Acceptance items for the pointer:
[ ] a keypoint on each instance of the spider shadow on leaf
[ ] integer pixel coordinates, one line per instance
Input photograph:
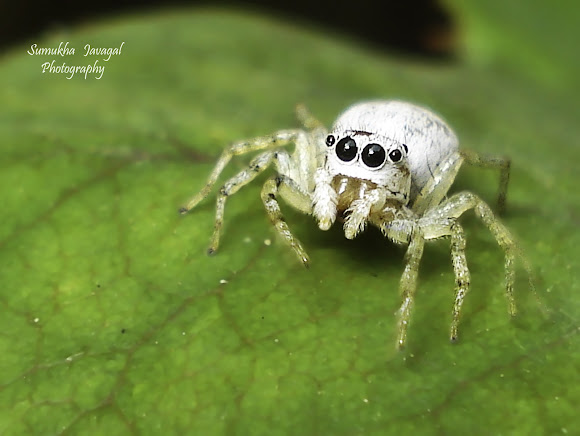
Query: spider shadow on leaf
(370, 252)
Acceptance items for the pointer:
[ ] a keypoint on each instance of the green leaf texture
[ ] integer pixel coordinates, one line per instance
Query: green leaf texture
(113, 319)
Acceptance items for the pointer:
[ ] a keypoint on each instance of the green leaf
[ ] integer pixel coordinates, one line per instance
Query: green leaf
(115, 321)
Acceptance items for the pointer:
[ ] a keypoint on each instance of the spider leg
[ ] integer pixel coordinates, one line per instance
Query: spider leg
(430, 227)
(408, 284)
(458, 204)
(289, 190)
(500, 162)
(306, 118)
(436, 188)
(462, 276)
(233, 185)
(278, 139)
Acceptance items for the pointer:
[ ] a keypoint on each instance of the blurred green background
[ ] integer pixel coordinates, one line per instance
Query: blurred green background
(114, 321)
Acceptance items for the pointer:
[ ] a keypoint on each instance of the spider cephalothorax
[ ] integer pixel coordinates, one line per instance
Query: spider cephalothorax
(387, 163)
(366, 171)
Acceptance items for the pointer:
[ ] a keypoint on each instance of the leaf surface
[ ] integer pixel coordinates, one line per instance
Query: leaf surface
(115, 321)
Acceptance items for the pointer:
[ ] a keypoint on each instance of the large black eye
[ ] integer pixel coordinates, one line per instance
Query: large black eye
(330, 140)
(346, 149)
(395, 155)
(373, 155)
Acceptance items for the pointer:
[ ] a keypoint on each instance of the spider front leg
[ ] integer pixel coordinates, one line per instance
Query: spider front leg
(445, 214)
(408, 284)
(462, 276)
(278, 139)
(233, 185)
(436, 228)
(299, 200)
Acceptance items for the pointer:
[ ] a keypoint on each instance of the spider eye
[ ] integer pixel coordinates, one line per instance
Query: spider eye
(346, 149)
(373, 155)
(330, 140)
(406, 148)
(395, 155)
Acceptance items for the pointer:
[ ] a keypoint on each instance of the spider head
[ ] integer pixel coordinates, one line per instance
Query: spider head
(360, 161)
